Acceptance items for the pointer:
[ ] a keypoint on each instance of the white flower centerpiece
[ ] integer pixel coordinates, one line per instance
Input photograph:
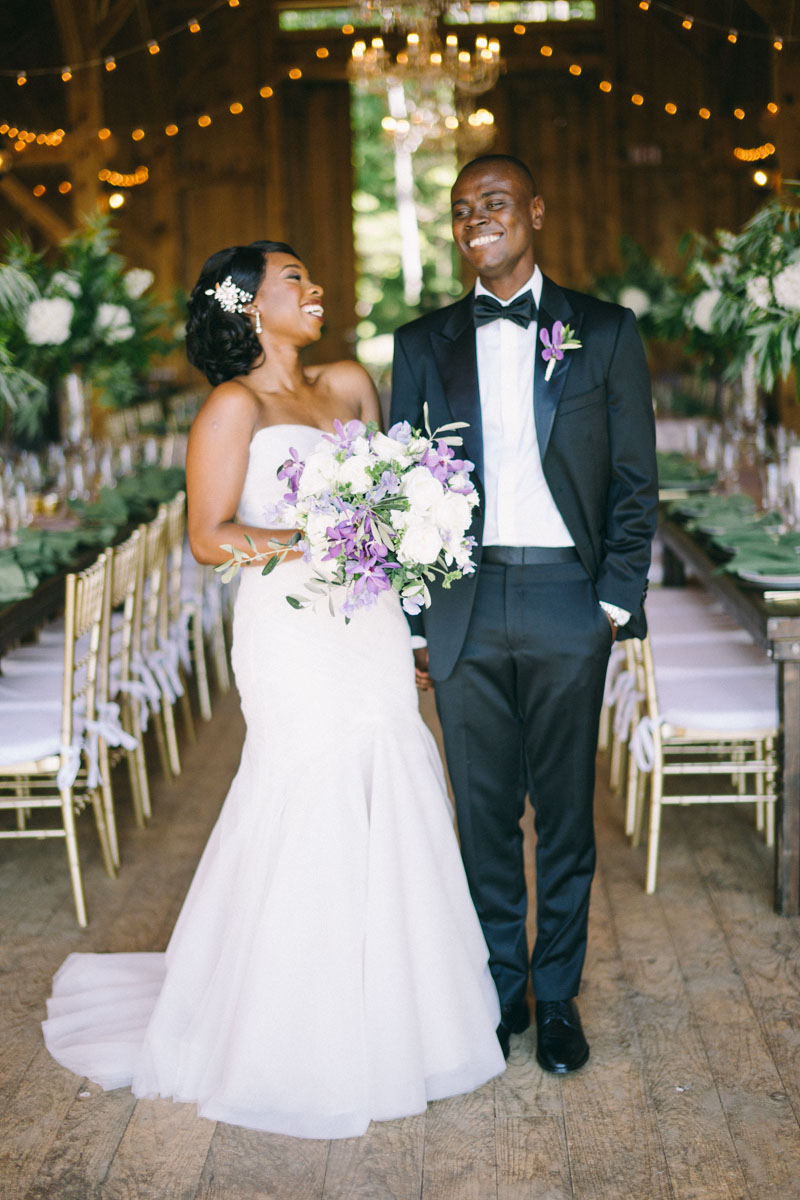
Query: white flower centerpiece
(374, 512)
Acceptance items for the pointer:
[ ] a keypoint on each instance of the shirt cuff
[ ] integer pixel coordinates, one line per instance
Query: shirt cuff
(417, 642)
(620, 616)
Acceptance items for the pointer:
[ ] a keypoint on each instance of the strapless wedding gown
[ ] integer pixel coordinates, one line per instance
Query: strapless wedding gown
(327, 967)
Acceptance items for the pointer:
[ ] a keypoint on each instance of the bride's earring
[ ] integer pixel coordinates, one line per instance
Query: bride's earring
(258, 321)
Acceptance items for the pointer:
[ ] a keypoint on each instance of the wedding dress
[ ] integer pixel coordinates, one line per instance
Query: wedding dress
(327, 967)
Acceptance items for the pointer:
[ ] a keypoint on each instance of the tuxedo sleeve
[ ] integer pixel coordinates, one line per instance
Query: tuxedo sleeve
(632, 506)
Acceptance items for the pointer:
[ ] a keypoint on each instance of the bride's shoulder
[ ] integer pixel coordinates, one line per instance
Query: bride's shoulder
(231, 406)
(349, 382)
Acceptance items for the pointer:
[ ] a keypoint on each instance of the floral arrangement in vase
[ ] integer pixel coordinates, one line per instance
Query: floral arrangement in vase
(81, 313)
(743, 303)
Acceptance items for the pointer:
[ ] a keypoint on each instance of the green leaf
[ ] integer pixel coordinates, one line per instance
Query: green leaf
(270, 564)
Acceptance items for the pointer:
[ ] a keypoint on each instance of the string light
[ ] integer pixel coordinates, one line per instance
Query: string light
(137, 135)
(644, 5)
(637, 99)
(64, 187)
(705, 113)
(575, 69)
(322, 52)
(670, 108)
(519, 29)
(605, 85)
(760, 178)
(111, 63)
(687, 22)
(22, 78)
(194, 25)
(773, 108)
(733, 37)
(236, 108)
(739, 113)
(755, 153)
(204, 121)
(547, 51)
(778, 44)
(153, 46)
(347, 30)
(116, 200)
(171, 130)
(66, 74)
(104, 134)
(119, 179)
(295, 73)
(265, 92)
(39, 190)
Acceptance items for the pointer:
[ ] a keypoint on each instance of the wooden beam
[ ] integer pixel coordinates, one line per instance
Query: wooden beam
(33, 210)
(118, 14)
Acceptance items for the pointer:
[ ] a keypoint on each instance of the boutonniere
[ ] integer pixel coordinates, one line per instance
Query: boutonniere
(561, 339)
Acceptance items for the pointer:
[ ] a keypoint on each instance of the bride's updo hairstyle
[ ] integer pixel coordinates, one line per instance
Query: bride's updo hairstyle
(221, 343)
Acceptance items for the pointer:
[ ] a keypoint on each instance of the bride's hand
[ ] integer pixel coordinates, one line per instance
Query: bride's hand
(421, 675)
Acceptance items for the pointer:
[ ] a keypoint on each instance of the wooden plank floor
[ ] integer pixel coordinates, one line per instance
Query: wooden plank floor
(691, 1002)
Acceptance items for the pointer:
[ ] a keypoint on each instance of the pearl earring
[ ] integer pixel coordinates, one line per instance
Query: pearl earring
(258, 321)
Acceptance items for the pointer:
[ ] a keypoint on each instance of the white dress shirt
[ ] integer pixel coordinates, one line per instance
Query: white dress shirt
(519, 509)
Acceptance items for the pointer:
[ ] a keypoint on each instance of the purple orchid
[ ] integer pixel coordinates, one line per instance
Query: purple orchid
(292, 471)
(562, 338)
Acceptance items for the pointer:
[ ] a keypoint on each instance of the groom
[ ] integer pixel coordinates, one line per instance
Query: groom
(562, 438)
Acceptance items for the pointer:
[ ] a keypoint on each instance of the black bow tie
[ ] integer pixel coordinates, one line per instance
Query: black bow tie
(521, 311)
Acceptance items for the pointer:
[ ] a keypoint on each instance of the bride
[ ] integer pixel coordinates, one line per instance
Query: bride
(327, 967)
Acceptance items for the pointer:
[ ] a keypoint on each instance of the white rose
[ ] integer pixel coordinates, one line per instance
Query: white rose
(786, 286)
(319, 474)
(420, 544)
(113, 322)
(354, 473)
(386, 449)
(62, 281)
(137, 281)
(47, 322)
(758, 292)
(422, 489)
(453, 514)
(359, 445)
(703, 308)
(636, 299)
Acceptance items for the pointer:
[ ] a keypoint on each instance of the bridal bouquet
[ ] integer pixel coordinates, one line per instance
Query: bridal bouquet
(375, 511)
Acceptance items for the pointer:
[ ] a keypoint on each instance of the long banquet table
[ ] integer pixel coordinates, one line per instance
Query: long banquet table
(773, 621)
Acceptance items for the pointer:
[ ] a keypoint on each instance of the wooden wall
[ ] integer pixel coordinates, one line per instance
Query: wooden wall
(282, 169)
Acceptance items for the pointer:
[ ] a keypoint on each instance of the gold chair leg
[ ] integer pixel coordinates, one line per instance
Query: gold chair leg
(200, 667)
(161, 743)
(68, 816)
(186, 707)
(172, 739)
(108, 804)
(102, 833)
(655, 831)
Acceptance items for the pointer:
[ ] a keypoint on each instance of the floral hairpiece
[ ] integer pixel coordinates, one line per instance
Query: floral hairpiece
(229, 297)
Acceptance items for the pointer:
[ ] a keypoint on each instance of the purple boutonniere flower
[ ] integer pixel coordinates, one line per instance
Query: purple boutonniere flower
(562, 338)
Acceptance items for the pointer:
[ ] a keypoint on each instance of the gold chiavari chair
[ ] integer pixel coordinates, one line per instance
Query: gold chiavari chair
(149, 665)
(718, 726)
(122, 695)
(181, 619)
(46, 759)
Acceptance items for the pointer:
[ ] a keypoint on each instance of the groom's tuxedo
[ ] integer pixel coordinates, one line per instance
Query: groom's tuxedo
(594, 423)
(519, 653)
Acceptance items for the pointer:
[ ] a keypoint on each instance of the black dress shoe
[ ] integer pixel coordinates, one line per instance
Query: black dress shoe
(561, 1046)
(514, 1019)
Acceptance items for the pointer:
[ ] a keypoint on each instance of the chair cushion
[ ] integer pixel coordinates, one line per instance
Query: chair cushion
(29, 734)
(729, 703)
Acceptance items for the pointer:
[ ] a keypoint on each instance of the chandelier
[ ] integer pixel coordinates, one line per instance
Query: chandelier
(430, 85)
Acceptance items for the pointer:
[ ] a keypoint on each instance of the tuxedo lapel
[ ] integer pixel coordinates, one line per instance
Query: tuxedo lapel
(554, 307)
(457, 364)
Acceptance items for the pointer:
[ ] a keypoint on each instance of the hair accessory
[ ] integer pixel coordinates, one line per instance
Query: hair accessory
(229, 297)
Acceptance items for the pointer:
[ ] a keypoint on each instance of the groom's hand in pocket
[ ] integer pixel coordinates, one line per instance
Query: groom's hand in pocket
(421, 676)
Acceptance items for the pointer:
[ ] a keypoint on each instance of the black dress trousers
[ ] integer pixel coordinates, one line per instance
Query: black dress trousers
(519, 715)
